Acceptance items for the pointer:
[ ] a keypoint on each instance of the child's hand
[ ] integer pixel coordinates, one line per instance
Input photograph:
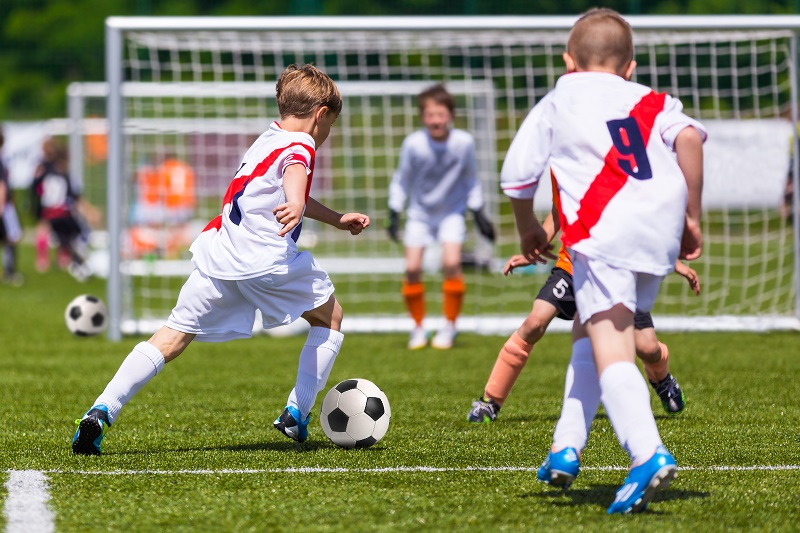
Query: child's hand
(690, 275)
(692, 241)
(513, 262)
(354, 222)
(289, 214)
(536, 247)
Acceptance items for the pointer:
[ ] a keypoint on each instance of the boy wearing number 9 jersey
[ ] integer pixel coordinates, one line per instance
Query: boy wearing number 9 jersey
(247, 259)
(629, 167)
(556, 299)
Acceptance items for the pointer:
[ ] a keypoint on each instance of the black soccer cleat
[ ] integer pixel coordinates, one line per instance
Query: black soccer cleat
(483, 410)
(92, 428)
(670, 394)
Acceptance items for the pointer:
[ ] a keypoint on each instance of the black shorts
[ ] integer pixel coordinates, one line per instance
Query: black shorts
(642, 320)
(558, 290)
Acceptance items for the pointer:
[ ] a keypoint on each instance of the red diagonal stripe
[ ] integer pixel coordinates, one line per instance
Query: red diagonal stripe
(611, 178)
(237, 184)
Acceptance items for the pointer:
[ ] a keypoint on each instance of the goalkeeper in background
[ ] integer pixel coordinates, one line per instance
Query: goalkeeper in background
(437, 179)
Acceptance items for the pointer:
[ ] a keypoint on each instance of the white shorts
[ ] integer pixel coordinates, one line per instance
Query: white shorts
(218, 310)
(600, 286)
(450, 228)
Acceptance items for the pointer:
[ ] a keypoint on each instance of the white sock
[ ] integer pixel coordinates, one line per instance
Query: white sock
(627, 403)
(581, 399)
(141, 365)
(316, 361)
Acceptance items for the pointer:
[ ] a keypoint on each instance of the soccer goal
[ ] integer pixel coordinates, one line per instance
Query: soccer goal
(199, 90)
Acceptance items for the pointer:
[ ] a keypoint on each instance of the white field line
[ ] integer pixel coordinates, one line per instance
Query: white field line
(26, 508)
(402, 469)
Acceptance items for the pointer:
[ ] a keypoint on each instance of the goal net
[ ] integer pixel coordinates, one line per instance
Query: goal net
(189, 95)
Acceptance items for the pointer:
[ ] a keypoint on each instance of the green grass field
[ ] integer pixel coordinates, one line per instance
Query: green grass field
(195, 450)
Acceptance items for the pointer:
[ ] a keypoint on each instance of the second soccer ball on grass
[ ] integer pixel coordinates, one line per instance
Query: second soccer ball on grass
(355, 414)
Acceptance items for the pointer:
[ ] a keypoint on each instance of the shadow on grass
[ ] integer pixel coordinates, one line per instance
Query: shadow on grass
(602, 495)
(283, 446)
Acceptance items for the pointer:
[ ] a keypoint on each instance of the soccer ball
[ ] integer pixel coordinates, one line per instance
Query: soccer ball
(86, 316)
(355, 414)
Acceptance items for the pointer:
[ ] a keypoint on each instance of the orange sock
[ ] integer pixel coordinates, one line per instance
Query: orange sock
(510, 361)
(658, 371)
(453, 289)
(414, 294)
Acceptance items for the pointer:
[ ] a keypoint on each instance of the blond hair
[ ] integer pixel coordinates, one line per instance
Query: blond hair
(601, 38)
(303, 89)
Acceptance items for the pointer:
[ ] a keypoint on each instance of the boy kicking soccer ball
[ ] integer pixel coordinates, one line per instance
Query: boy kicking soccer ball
(629, 167)
(557, 299)
(247, 259)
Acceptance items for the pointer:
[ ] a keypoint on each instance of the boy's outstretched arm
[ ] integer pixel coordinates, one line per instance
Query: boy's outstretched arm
(689, 151)
(691, 276)
(353, 222)
(534, 244)
(551, 226)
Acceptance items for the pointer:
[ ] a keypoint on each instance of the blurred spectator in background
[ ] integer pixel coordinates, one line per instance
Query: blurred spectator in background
(10, 228)
(165, 204)
(60, 212)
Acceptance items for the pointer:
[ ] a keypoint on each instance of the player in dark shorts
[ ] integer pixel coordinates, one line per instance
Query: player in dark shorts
(557, 299)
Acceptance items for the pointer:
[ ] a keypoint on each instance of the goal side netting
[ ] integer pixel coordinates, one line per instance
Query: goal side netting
(199, 91)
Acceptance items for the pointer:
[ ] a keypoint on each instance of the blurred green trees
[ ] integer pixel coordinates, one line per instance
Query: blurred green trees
(46, 44)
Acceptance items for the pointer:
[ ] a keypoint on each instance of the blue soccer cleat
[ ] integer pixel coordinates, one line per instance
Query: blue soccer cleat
(643, 481)
(92, 428)
(560, 468)
(290, 424)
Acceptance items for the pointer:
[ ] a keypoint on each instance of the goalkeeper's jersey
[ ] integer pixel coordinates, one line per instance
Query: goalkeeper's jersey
(243, 241)
(609, 143)
(436, 178)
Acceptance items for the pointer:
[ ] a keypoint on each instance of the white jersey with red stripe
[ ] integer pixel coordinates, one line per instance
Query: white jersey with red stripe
(243, 241)
(609, 142)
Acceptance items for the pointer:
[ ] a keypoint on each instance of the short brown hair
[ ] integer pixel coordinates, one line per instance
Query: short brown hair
(601, 37)
(302, 89)
(438, 94)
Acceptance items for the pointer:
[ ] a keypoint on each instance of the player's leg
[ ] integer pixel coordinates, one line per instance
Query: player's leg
(607, 297)
(414, 296)
(555, 299)
(12, 234)
(451, 232)
(207, 309)
(141, 365)
(581, 400)
(313, 368)
(304, 291)
(655, 358)
(453, 288)
(511, 359)
(42, 238)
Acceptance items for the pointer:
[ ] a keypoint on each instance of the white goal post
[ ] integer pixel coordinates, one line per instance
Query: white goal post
(200, 89)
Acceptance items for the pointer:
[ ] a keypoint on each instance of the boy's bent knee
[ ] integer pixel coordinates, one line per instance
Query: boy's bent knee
(328, 315)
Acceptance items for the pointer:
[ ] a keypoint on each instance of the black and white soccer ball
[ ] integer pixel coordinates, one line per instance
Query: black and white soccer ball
(355, 414)
(86, 316)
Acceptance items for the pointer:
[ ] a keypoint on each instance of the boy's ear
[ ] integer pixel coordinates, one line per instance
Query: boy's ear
(569, 62)
(321, 112)
(630, 69)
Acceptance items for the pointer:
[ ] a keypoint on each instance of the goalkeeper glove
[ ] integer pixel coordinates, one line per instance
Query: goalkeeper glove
(394, 225)
(484, 226)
